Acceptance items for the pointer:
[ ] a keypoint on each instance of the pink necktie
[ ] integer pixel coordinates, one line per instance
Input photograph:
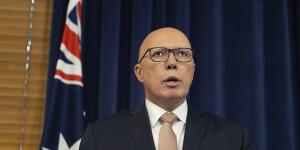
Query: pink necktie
(167, 137)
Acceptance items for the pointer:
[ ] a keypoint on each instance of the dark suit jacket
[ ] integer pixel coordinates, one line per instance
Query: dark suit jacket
(132, 131)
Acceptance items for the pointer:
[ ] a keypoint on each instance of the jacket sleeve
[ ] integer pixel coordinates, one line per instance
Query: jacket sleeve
(246, 144)
(88, 139)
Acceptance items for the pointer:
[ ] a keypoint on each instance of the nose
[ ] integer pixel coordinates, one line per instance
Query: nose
(172, 66)
(171, 62)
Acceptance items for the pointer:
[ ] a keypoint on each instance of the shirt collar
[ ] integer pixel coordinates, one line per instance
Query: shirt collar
(155, 112)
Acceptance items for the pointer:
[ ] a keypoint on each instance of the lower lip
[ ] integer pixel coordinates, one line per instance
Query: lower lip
(172, 84)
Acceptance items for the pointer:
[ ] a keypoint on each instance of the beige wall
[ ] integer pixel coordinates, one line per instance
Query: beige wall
(14, 18)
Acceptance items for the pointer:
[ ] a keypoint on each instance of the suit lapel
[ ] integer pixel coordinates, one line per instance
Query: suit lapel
(139, 125)
(195, 130)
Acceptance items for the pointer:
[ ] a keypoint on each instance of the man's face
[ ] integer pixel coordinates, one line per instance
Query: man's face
(169, 80)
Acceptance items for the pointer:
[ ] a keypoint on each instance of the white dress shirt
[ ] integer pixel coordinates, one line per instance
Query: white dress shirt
(155, 112)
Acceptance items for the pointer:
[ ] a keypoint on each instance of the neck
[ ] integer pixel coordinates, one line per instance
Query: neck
(167, 104)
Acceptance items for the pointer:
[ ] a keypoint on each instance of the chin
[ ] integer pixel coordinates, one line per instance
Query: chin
(174, 96)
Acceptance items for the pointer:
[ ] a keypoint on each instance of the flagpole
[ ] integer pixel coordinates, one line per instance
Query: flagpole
(26, 75)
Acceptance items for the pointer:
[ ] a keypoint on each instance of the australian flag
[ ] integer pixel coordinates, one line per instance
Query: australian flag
(64, 117)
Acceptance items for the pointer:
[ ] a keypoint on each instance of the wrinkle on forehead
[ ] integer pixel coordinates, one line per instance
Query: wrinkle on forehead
(164, 37)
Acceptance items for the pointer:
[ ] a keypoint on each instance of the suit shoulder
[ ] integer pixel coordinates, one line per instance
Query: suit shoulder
(106, 132)
(220, 125)
(115, 118)
(219, 120)
(213, 119)
(220, 133)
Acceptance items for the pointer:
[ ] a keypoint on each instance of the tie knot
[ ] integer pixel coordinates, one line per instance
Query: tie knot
(168, 117)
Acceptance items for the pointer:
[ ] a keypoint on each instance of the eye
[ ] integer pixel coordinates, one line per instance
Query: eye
(157, 54)
(182, 53)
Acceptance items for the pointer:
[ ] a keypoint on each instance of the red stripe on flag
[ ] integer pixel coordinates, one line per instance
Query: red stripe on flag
(71, 41)
(68, 76)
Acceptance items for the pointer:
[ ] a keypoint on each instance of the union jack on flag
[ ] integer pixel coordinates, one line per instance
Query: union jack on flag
(71, 73)
(64, 119)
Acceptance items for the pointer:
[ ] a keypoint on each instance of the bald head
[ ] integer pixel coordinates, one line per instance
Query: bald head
(164, 37)
(155, 75)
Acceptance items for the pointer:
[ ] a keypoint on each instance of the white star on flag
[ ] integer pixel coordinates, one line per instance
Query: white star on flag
(63, 145)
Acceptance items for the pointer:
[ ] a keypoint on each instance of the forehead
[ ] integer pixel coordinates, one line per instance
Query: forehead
(169, 38)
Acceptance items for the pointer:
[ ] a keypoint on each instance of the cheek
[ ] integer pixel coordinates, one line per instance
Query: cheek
(152, 71)
(189, 75)
(152, 75)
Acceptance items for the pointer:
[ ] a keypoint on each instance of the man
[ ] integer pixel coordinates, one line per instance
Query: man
(166, 69)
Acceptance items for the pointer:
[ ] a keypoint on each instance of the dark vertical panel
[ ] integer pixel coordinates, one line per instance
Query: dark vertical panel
(258, 119)
(158, 14)
(110, 37)
(295, 13)
(277, 75)
(91, 35)
(124, 56)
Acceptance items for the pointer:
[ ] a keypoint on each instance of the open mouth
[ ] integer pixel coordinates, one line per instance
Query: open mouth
(172, 82)
(171, 79)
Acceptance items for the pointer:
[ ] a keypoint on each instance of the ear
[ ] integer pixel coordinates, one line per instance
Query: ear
(194, 65)
(138, 72)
